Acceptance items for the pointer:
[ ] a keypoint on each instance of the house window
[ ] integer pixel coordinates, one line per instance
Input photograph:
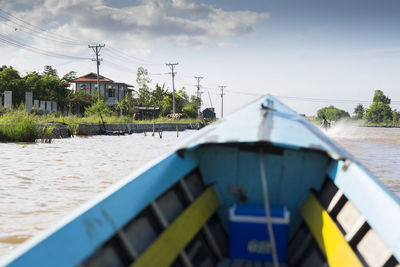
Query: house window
(84, 87)
(111, 91)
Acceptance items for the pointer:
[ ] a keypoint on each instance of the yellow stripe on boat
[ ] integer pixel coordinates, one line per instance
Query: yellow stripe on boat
(166, 248)
(328, 236)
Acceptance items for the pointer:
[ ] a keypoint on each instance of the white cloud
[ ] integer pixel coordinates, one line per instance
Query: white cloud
(181, 21)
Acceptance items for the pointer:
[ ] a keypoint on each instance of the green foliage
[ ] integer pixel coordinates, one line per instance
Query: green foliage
(49, 71)
(70, 76)
(395, 117)
(10, 80)
(20, 128)
(332, 113)
(144, 92)
(98, 108)
(81, 98)
(190, 112)
(46, 86)
(126, 105)
(160, 97)
(378, 112)
(380, 97)
(358, 112)
(166, 105)
(158, 94)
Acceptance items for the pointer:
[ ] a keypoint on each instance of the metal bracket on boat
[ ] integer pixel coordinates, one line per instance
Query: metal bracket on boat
(239, 191)
(269, 105)
(346, 165)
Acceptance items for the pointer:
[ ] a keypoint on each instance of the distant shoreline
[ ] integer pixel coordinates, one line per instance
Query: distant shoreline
(358, 123)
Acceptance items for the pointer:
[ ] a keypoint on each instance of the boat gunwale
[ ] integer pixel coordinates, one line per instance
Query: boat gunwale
(18, 256)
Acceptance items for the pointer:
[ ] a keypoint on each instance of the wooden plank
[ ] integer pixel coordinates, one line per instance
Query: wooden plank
(382, 211)
(166, 248)
(327, 235)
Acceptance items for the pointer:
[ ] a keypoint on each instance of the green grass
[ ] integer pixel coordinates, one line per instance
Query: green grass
(20, 126)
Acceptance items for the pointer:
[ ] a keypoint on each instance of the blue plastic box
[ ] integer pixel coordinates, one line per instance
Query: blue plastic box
(248, 232)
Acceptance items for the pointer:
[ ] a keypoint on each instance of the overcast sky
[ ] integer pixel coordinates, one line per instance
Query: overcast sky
(303, 52)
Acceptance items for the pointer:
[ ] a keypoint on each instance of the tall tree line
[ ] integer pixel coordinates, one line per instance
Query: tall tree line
(45, 86)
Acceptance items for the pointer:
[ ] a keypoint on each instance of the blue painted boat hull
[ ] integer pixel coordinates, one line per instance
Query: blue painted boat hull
(297, 158)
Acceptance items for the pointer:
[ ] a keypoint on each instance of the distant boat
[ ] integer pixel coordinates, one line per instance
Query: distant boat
(262, 186)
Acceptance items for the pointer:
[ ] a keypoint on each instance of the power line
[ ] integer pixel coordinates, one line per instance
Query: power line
(172, 65)
(123, 56)
(7, 40)
(27, 32)
(53, 65)
(8, 16)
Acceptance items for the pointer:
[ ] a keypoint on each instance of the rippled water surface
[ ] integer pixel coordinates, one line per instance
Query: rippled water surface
(40, 183)
(376, 148)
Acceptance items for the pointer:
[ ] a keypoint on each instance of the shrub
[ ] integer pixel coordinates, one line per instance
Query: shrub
(190, 112)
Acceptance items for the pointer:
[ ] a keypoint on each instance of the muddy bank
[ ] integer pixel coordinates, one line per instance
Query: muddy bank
(97, 129)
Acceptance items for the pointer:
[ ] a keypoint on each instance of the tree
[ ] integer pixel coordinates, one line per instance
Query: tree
(359, 112)
(70, 76)
(190, 112)
(49, 71)
(380, 97)
(332, 113)
(10, 80)
(378, 112)
(158, 95)
(98, 108)
(125, 106)
(395, 117)
(144, 93)
(166, 105)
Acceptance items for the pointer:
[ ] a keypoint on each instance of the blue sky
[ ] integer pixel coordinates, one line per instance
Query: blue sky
(308, 53)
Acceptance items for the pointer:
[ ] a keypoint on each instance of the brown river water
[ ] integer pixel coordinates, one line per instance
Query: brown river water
(41, 183)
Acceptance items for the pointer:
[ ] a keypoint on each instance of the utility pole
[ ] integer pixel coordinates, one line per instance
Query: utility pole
(172, 65)
(209, 97)
(96, 49)
(222, 99)
(198, 78)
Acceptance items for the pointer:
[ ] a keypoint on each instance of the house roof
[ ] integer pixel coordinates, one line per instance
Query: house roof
(209, 109)
(92, 77)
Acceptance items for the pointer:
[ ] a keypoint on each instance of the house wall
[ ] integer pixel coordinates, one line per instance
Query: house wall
(120, 91)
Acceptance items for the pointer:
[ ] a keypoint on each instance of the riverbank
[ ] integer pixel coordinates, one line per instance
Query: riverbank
(359, 123)
(128, 128)
(19, 126)
(46, 132)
